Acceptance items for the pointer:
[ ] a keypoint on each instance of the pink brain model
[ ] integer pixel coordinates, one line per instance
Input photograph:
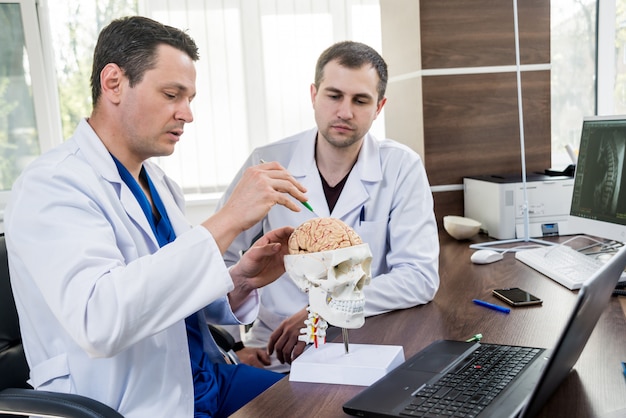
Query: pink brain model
(322, 234)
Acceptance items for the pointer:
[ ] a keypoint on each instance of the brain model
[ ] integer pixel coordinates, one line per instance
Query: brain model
(322, 234)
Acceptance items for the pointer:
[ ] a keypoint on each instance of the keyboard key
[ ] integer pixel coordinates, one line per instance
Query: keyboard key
(469, 389)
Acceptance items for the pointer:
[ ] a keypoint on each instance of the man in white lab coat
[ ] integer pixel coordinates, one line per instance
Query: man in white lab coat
(379, 188)
(113, 286)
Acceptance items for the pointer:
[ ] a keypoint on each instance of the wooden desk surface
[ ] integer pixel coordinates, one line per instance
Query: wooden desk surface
(596, 387)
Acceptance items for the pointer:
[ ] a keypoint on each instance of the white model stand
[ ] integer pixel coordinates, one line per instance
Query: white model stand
(362, 366)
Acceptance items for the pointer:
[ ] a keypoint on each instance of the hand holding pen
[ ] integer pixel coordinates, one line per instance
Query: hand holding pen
(259, 189)
(304, 203)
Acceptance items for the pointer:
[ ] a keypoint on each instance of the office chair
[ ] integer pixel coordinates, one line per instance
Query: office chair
(225, 342)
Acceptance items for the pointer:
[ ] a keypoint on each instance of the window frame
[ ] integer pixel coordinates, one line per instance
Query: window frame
(43, 82)
(605, 57)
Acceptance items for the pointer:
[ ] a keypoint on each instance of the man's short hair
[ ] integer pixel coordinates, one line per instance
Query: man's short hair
(131, 43)
(353, 55)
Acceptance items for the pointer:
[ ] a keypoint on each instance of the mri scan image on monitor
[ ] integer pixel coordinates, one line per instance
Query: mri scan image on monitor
(599, 197)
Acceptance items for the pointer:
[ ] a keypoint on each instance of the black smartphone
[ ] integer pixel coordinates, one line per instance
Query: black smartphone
(517, 297)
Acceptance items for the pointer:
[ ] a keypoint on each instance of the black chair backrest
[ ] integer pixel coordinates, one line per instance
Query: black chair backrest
(13, 365)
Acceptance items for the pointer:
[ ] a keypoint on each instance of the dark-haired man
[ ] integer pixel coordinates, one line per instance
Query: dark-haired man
(113, 287)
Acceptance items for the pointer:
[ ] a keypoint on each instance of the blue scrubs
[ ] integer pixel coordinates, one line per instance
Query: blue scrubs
(219, 388)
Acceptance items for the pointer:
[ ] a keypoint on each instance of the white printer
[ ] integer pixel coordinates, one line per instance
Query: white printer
(497, 201)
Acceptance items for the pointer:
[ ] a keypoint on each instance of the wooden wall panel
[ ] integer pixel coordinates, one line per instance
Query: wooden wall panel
(534, 26)
(453, 35)
(452, 103)
(477, 33)
(447, 203)
(471, 125)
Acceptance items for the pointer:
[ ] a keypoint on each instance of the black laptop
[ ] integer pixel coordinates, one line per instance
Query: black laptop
(454, 378)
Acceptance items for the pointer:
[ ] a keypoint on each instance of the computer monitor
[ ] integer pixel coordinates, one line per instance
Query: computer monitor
(599, 196)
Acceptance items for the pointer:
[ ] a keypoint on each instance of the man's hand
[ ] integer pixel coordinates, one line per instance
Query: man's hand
(257, 357)
(285, 338)
(260, 265)
(259, 189)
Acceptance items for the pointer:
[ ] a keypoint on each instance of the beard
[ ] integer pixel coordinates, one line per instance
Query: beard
(341, 139)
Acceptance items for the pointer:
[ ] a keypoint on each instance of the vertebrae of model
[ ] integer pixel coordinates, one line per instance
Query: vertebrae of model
(315, 330)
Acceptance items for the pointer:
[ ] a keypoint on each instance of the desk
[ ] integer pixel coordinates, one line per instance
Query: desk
(595, 388)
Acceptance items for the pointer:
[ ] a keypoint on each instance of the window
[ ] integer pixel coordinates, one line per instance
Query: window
(28, 111)
(573, 73)
(612, 58)
(588, 41)
(72, 28)
(257, 60)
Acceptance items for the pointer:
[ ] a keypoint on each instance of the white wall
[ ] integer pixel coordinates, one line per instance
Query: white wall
(198, 211)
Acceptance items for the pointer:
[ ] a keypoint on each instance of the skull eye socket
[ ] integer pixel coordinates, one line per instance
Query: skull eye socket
(361, 282)
(343, 267)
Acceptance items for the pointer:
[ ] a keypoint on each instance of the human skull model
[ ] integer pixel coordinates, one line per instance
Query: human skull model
(329, 261)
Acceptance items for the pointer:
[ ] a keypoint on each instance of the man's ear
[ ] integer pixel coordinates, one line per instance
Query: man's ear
(111, 78)
(313, 91)
(379, 106)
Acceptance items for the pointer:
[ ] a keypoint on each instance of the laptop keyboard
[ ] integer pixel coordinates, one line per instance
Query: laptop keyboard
(469, 388)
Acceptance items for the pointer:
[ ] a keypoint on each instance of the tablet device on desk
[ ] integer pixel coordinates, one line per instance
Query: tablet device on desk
(427, 381)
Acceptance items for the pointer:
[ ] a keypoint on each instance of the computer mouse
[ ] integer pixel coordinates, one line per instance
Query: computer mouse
(486, 256)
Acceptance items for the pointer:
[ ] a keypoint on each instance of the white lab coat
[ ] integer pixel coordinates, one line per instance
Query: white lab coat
(389, 183)
(101, 307)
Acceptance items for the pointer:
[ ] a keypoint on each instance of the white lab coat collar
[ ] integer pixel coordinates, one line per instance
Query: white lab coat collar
(100, 159)
(366, 171)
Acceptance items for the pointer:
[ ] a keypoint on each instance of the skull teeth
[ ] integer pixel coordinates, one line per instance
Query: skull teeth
(350, 306)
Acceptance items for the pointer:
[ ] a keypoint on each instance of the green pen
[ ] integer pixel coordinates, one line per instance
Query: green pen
(305, 204)
(476, 337)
